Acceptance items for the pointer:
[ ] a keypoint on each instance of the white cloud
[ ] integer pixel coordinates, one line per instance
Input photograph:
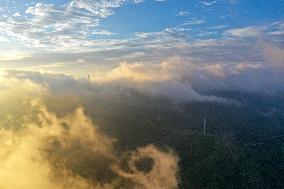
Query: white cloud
(3, 39)
(59, 28)
(183, 13)
(165, 79)
(274, 55)
(138, 1)
(13, 54)
(17, 14)
(194, 21)
(178, 78)
(245, 32)
(209, 3)
(96, 8)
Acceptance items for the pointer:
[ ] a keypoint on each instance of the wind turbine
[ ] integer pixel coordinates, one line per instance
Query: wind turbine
(204, 126)
(158, 113)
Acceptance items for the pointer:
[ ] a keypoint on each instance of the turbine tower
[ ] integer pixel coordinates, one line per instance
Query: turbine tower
(204, 126)
(158, 113)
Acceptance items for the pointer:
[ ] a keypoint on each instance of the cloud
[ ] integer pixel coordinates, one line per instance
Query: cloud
(179, 77)
(50, 27)
(274, 55)
(96, 8)
(13, 54)
(148, 47)
(162, 175)
(17, 14)
(37, 149)
(166, 79)
(245, 32)
(209, 3)
(183, 13)
(194, 21)
(163, 80)
(40, 149)
(3, 39)
(183, 79)
(176, 78)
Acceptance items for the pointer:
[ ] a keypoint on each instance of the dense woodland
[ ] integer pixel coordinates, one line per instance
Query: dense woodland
(243, 146)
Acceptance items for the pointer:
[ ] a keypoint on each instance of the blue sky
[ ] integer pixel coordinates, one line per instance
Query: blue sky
(156, 16)
(102, 33)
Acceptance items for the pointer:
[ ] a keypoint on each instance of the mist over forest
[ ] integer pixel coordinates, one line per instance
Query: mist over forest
(141, 94)
(78, 133)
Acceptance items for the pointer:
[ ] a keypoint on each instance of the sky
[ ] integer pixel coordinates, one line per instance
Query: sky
(81, 37)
